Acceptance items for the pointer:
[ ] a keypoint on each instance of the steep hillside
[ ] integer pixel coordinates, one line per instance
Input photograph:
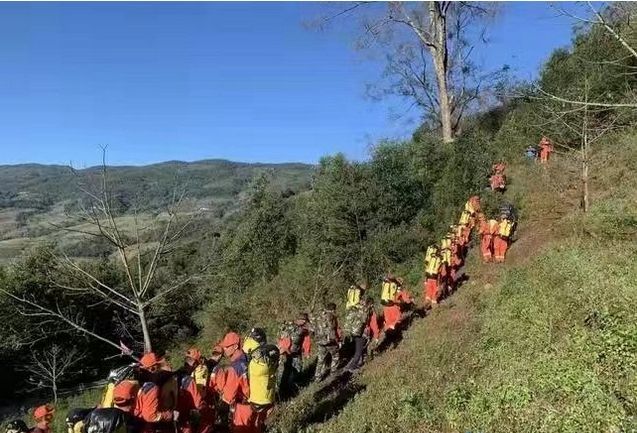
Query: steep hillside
(546, 342)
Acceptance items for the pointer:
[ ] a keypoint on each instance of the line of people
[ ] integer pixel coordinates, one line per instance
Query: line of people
(237, 386)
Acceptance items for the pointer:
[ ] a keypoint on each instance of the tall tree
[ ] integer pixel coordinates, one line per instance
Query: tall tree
(428, 48)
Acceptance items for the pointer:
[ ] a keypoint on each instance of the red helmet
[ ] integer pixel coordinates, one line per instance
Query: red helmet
(150, 360)
(43, 411)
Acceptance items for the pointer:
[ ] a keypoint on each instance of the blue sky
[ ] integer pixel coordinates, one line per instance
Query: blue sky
(188, 81)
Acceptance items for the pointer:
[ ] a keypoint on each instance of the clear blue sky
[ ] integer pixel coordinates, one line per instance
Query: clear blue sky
(242, 81)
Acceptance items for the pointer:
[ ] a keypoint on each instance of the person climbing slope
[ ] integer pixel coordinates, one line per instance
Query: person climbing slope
(294, 346)
(502, 238)
(546, 148)
(433, 264)
(328, 340)
(361, 325)
(43, 416)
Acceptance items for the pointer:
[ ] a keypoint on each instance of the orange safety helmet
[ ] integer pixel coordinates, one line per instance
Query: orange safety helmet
(43, 411)
(124, 392)
(150, 360)
(230, 339)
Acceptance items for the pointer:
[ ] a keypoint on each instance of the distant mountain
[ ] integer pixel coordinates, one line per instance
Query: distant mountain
(38, 186)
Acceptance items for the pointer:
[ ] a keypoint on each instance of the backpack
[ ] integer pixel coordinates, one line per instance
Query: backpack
(262, 374)
(106, 420)
(355, 320)
(354, 294)
(388, 292)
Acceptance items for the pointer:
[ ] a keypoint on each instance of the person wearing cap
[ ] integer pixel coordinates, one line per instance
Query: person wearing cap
(43, 416)
(195, 366)
(232, 384)
(124, 395)
(148, 408)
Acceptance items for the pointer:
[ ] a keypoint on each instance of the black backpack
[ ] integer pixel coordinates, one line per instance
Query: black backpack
(106, 420)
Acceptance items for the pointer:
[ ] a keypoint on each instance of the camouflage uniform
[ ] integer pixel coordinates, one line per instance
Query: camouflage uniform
(292, 363)
(355, 326)
(325, 328)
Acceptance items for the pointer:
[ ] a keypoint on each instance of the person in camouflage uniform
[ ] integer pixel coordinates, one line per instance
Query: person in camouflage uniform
(294, 344)
(326, 334)
(360, 326)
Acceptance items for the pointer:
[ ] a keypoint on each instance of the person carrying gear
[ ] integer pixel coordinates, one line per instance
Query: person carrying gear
(190, 403)
(502, 238)
(531, 152)
(150, 406)
(231, 383)
(546, 148)
(472, 205)
(497, 181)
(388, 290)
(328, 338)
(498, 168)
(354, 294)
(486, 238)
(444, 276)
(433, 263)
(393, 314)
(196, 367)
(43, 416)
(457, 261)
(294, 345)
(263, 363)
(361, 325)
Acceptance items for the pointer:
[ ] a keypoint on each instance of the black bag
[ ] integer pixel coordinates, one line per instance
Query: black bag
(106, 420)
(17, 426)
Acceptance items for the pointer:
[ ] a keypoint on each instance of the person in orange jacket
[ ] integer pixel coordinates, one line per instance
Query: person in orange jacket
(433, 268)
(43, 416)
(190, 403)
(148, 408)
(497, 181)
(195, 366)
(486, 238)
(393, 313)
(502, 238)
(233, 386)
(546, 148)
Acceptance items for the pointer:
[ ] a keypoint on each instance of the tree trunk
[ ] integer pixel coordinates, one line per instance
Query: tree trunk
(54, 387)
(148, 347)
(439, 54)
(585, 195)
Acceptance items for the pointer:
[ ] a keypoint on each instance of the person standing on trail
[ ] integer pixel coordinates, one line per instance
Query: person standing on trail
(196, 367)
(150, 408)
(497, 180)
(43, 416)
(328, 339)
(546, 148)
(294, 345)
(433, 264)
(231, 383)
(502, 238)
(361, 325)
(486, 238)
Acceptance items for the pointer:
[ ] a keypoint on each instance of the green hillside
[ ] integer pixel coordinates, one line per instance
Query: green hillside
(33, 196)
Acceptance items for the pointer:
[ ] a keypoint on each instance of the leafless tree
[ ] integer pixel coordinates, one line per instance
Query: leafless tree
(617, 20)
(139, 252)
(48, 367)
(582, 126)
(429, 47)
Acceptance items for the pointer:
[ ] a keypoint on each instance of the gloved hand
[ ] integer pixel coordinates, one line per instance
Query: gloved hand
(175, 415)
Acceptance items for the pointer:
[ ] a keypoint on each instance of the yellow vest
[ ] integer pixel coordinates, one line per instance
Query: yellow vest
(469, 208)
(388, 291)
(465, 217)
(505, 228)
(200, 375)
(432, 265)
(431, 250)
(445, 243)
(353, 296)
(446, 257)
(493, 226)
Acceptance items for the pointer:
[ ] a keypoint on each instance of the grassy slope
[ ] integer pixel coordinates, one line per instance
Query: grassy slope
(547, 342)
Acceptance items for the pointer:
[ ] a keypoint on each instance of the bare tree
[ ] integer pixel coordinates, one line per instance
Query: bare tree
(429, 48)
(140, 251)
(581, 126)
(47, 368)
